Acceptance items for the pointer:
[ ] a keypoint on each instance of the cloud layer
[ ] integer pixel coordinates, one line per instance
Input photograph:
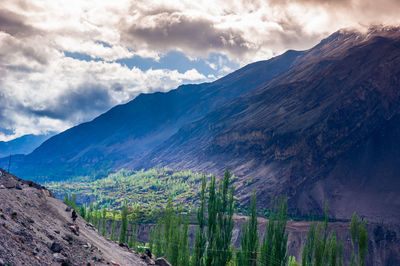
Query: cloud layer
(43, 88)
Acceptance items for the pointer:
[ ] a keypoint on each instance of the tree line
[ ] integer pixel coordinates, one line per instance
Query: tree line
(212, 244)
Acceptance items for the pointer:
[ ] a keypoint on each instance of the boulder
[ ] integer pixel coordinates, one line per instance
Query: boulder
(59, 258)
(68, 209)
(56, 247)
(162, 262)
(18, 186)
(74, 229)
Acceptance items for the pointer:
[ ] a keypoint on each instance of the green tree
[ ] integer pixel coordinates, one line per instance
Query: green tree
(273, 248)
(183, 258)
(104, 221)
(333, 250)
(73, 202)
(174, 241)
(267, 244)
(211, 223)
(114, 225)
(308, 248)
(225, 209)
(66, 200)
(340, 253)
(168, 225)
(124, 224)
(200, 238)
(249, 238)
(82, 211)
(292, 261)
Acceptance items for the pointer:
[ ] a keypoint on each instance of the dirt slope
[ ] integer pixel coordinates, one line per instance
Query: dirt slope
(35, 229)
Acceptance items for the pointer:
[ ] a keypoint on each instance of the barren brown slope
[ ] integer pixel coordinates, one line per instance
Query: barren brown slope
(35, 230)
(327, 129)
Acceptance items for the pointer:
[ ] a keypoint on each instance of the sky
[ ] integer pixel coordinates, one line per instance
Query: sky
(65, 62)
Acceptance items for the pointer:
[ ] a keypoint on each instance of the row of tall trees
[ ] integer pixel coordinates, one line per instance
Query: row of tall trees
(212, 244)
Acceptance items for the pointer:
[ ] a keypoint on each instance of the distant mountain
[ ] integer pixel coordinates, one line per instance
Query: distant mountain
(127, 132)
(22, 145)
(327, 129)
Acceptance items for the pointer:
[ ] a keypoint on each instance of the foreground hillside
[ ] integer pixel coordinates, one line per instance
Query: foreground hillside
(36, 229)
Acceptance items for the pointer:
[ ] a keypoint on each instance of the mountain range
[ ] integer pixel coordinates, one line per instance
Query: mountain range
(22, 145)
(315, 125)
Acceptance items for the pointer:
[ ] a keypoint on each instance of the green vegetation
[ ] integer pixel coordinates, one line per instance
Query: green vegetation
(214, 217)
(147, 190)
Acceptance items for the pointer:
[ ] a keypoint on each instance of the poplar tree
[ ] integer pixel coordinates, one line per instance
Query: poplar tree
(200, 238)
(211, 223)
(113, 225)
(183, 258)
(168, 225)
(249, 239)
(225, 209)
(124, 224)
(273, 249)
(333, 250)
(158, 238)
(104, 222)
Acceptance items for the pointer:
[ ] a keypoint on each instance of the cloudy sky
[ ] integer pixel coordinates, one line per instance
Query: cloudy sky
(65, 62)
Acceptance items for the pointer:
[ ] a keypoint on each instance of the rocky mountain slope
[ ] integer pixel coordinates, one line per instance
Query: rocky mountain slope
(327, 129)
(36, 229)
(128, 131)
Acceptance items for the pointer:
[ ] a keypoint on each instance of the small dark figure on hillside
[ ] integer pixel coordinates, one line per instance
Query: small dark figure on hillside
(74, 215)
(148, 252)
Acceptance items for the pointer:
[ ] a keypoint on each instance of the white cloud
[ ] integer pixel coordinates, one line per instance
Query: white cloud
(39, 85)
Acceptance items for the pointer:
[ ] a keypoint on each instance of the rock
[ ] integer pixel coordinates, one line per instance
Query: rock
(74, 229)
(162, 262)
(124, 245)
(114, 263)
(2, 263)
(59, 258)
(18, 186)
(2, 187)
(68, 209)
(90, 225)
(57, 231)
(56, 247)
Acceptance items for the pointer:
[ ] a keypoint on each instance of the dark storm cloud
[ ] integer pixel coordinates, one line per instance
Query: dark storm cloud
(13, 24)
(173, 30)
(83, 102)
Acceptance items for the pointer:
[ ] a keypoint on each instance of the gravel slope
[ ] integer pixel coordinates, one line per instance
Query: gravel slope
(36, 229)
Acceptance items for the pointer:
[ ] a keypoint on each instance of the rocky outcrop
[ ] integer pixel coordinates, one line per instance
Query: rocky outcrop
(36, 230)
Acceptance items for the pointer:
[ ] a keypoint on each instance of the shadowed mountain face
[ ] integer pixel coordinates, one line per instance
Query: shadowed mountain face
(316, 125)
(128, 131)
(327, 129)
(22, 145)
